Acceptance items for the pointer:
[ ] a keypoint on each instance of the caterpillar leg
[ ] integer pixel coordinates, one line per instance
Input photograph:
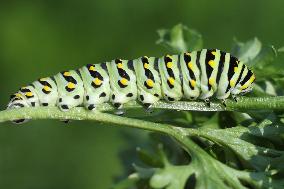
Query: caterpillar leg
(65, 121)
(207, 102)
(147, 106)
(118, 105)
(223, 101)
(235, 98)
(147, 99)
(119, 109)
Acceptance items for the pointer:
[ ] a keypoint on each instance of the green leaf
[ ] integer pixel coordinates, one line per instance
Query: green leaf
(267, 62)
(205, 172)
(246, 51)
(180, 39)
(247, 142)
(281, 49)
(148, 158)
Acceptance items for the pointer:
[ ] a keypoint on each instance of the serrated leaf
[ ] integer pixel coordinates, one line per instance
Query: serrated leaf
(240, 139)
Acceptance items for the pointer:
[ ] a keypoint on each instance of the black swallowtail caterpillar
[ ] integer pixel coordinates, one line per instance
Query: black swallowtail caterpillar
(192, 75)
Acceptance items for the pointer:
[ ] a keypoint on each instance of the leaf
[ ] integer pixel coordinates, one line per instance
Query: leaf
(247, 142)
(149, 159)
(204, 172)
(128, 182)
(212, 122)
(170, 177)
(180, 39)
(281, 49)
(265, 88)
(267, 62)
(247, 51)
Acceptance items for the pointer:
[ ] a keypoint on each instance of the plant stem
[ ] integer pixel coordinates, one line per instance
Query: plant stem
(243, 104)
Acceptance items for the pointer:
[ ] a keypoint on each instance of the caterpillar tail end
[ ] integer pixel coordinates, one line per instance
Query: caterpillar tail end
(17, 101)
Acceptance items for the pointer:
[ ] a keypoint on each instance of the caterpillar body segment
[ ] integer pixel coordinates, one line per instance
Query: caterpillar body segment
(46, 91)
(17, 101)
(29, 93)
(171, 86)
(190, 72)
(222, 78)
(148, 80)
(70, 89)
(96, 85)
(122, 82)
(192, 75)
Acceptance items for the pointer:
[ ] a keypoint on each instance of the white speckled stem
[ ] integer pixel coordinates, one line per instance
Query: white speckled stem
(243, 104)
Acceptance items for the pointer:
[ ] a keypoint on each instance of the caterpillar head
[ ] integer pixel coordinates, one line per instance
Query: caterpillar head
(239, 91)
(18, 100)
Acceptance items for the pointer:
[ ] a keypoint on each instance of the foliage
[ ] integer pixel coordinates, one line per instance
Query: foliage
(222, 149)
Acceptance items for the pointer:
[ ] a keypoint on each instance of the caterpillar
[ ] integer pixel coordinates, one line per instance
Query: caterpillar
(192, 75)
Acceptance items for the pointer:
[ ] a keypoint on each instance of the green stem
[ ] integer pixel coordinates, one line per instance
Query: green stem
(81, 114)
(78, 114)
(243, 104)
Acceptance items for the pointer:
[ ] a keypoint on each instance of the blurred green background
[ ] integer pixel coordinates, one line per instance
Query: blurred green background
(40, 38)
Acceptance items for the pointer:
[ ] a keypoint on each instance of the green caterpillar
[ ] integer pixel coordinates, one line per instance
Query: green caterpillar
(194, 75)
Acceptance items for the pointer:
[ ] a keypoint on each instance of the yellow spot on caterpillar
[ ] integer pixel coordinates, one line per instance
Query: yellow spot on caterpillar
(46, 88)
(252, 78)
(171, 80)
(71, 85)
(66, 74)
(188, 54)
(97, 81)
(146, 66)
(29, 94)
(92, 68)
(211, 81)
(119, 65)
(18, 95)
(43, 79)
(169, 56)
(212, 63)
(192, 83)
(232, 83)
(169, 64)
(244, 86)
(124, 81)
(150, 82)
(214, 53)
(235, 69)
(190, 65)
